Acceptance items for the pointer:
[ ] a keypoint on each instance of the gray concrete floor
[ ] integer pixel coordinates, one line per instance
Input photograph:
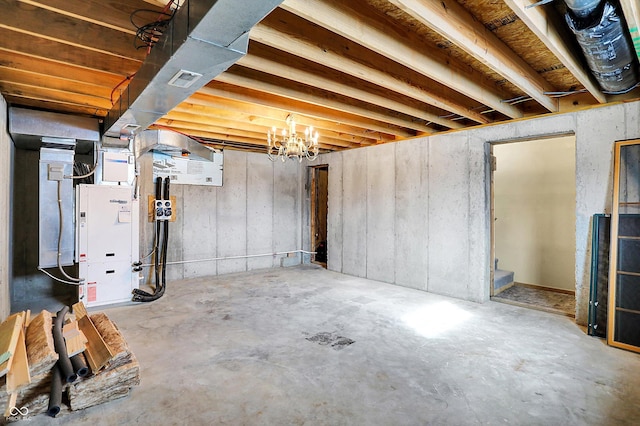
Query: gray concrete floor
(245, 349)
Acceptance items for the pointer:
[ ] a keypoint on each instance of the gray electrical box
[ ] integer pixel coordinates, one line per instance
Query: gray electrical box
(54, 165)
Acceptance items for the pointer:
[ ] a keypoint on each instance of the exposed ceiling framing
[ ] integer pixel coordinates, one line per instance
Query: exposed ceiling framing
(362, 72)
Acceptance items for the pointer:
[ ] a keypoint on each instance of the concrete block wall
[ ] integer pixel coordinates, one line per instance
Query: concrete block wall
(433, 195)
(6, 151)
(258, 210)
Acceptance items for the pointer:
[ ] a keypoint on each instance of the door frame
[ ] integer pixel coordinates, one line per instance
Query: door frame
(492, 166)
(313, 209)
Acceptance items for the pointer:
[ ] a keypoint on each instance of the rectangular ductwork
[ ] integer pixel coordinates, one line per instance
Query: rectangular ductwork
(170, 143)
(32, 129)
(204, 39)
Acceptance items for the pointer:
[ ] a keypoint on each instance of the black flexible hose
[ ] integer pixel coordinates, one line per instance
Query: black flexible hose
(61, 348)
(55, 394)
(165, 241)
(161, 255)
(79, 365)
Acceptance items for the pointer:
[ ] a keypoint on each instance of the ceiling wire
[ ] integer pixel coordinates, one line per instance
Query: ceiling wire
(151, 32)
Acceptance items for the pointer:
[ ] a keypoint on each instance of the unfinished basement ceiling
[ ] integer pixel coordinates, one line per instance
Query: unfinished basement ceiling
(362, 72)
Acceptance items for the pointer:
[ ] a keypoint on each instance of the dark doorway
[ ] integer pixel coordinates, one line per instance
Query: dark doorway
(319, 201)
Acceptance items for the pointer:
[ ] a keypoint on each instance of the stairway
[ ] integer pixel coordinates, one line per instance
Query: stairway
(501, 279)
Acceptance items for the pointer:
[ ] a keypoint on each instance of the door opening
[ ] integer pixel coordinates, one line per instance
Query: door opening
(319, 206)
(533, 201)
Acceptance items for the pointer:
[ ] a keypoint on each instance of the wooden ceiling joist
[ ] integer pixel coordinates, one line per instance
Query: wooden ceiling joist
(39, 47)
(631, 9)
(109, 14)
(362, 72)
(61, 107)
(537, 19)
(239, 113)
(239, 92)
(20, 61)
(321, 53)
(324, 142)
(452, 21)
(269, 66)
(357, 28)
(54, 95)
(67, 30)
(27, 78)
(299, 95)
(220, 124)
(225, 126)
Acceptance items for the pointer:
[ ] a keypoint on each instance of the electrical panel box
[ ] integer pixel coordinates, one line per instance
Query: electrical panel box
(107, 243)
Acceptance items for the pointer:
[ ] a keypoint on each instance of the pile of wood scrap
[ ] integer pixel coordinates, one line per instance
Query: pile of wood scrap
(28, 361)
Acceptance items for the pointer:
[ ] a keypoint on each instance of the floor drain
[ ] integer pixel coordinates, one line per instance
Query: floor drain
(331, 339)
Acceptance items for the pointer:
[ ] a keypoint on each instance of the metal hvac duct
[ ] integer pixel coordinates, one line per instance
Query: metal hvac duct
(170, 143)
(204, 39)
(29, 127)
(582, 8)
(602, 34)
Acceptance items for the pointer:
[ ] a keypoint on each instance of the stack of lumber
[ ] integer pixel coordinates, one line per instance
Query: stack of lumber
(117, 378)
(41, 357)
(26, 383)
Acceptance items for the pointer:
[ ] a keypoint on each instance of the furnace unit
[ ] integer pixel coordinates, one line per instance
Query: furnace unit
(107, 243)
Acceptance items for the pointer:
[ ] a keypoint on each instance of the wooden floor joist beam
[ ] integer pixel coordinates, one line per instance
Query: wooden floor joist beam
(452, 21)
(357, 28)
(322, 54)
(538, 21)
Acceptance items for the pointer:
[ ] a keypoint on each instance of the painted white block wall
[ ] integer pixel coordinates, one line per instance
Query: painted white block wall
(256, 211)
(453, 238)
(6, 149)
(534, 195)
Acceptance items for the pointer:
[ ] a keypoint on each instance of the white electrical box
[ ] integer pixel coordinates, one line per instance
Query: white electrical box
(115, 166)
(106, 243)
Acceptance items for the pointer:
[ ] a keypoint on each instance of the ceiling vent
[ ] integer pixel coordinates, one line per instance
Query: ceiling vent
(184, 79)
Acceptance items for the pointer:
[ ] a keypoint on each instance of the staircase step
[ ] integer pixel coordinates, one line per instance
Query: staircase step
(502, 278)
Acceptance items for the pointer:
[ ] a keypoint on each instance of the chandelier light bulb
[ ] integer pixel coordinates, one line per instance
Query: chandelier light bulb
(290, 145)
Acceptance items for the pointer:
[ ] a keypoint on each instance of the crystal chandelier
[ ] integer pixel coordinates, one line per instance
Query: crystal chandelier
(290, 145)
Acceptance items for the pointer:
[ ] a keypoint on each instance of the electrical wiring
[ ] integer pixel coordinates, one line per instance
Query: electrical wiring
(56, 278)
(151, 32)
(153, 250)
(127, 78)
(86, 175)
(64, 273)
(516, 100)
(621, 92)
(565, 93)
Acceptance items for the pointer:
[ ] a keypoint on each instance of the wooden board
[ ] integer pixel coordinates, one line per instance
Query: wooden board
(18, 376)
(9, 333)
(76, 344)
(40, 348)
(97, 351)
(70, 330)
(113, 338)
(10, 404)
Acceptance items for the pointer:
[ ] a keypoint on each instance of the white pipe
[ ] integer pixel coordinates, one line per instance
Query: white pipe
(181, 262)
